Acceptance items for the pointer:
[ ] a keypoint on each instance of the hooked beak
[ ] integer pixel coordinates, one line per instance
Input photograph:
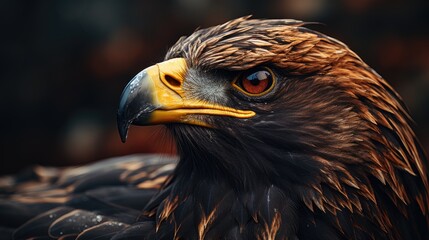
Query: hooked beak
(155, 96)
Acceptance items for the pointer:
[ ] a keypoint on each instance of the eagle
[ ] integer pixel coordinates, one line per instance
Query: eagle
(282, 132)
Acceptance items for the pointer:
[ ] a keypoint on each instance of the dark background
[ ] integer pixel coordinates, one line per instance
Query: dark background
(64, 63)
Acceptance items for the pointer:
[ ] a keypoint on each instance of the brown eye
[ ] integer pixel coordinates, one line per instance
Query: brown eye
(256, 83)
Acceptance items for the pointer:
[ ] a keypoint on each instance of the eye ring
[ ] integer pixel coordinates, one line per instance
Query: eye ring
(256, 82)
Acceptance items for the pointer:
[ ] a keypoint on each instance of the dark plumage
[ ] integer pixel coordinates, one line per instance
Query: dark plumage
(282, 132)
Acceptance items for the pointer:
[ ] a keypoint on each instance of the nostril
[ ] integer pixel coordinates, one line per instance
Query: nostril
(173, 82)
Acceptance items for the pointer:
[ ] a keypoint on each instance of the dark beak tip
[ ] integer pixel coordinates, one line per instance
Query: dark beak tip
(123, 126)
(123, 133)
(134, 104)
(123, 138)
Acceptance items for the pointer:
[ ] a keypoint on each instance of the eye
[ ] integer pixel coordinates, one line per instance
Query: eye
(255, 83)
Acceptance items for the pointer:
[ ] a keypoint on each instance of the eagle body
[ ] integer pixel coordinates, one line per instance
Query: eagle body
(282, 133)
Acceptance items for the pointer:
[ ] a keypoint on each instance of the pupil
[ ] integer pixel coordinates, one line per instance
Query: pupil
(256, 77)
(254, 82)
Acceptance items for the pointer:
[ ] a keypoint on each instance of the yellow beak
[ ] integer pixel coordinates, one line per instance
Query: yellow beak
(155, 96)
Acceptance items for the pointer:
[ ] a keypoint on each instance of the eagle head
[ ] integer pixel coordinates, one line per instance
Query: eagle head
(283, 132)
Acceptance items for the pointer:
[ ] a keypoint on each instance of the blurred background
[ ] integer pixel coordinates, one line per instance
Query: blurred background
(64, 64)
